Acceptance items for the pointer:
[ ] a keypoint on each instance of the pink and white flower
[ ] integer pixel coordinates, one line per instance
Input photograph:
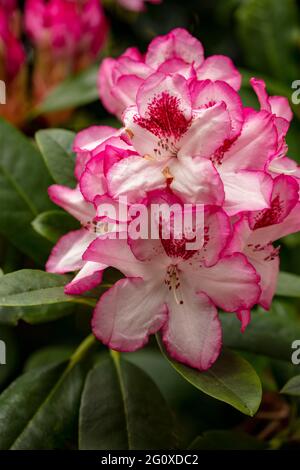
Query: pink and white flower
(254, 234)
(66, 255)
(175, 53)
(67, 37)
(186, 137)
(69, 28)
(174, 290)
(188, 134)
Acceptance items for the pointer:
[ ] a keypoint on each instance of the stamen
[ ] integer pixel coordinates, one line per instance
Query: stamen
(167, 174)
(129, 133)
(96, 226)
(172, 281)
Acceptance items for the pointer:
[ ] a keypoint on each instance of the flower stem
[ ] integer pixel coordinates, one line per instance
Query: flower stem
(82, 350)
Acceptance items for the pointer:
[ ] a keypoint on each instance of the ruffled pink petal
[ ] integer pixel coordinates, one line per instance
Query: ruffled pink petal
(105, 84)
(89, 277)
(285, 166)
(92, 181)
(232, 284)
(134, 176)
(158, 83)
(259, 87)
(207, 92)
(220, 67)
(117, 254)
(280, 106)
(128, 313)
(162, 116)
(112, 210)
(285, 195)
(241, 233)
(125, 91)
(66, 256)
(90, 141)
(245, 317)
(142, 139)
(209, 129)
(177, 44)
(90, 138)
(255, 145)
(217, 230)
(192, 334)
(265, 260)
(246, 191)
(196, 180)
(290, 224)
(177, 66)
(72, 201)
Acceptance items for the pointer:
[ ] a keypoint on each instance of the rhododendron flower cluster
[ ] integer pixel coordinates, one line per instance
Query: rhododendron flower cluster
(12, 63)
(66, 37)
(186, 139)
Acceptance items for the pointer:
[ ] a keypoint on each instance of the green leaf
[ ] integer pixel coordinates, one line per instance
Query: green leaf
(122, 408)
(269, 333)
(75, 91)
(226, 440)
(23, 192)
(35, 315)
(40, 409)
(54, 224)
(22, 398)
(56, 147)
(48, 356)
(231, 379)
(29, 287)
(267, 31)
(36, 297)
(292, 387)
(288, 285)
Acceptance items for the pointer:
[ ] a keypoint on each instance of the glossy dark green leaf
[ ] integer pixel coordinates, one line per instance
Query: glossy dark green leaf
(19, 402)
(73, 92)
(35, 315)
(56, 147)
(24, 180)
(231, 379)
(269, 333)
(226, 440)
(122, 408)
(55, 420)
(48, 355)
(35, 297)
(292, 387)
(40, 409)
(54, 224)
(266, 30)
(29, 287)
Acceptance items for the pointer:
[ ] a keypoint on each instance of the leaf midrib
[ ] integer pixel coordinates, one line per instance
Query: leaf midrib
(117, 365)
(19, 190)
